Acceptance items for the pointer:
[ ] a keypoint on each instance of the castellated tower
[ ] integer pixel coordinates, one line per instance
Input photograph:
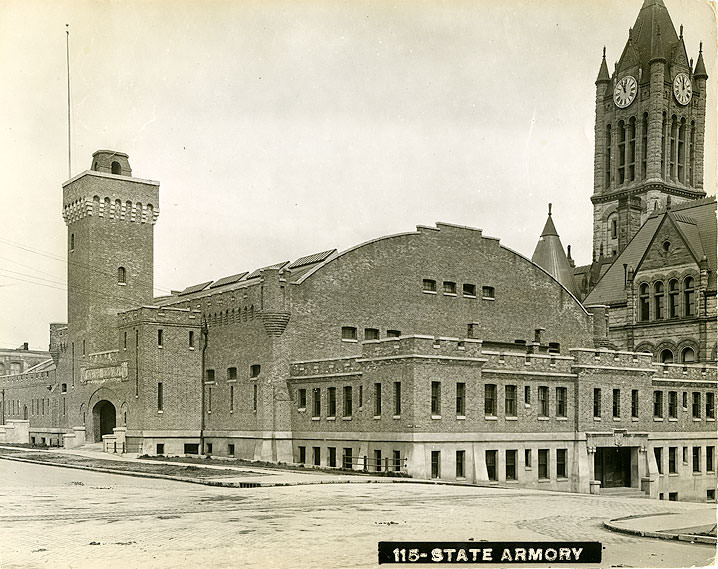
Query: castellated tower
(110, 217)
(650, 124)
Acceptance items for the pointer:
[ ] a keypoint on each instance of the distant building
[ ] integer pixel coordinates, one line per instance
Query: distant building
(436, 352)
(20, 360)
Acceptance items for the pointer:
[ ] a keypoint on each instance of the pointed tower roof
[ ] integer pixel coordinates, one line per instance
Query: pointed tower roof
(603, 75)
(645, 36)
(550, 256)
(700, 71)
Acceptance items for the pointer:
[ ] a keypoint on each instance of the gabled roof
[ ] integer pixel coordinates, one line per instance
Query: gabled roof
(696, 222)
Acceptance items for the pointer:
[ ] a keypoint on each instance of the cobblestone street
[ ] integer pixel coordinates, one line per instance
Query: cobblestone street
(55, 517)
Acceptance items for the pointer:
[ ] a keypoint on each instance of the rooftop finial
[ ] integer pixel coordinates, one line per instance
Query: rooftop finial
(700, 48)
(681, 32)
(604, 51)
(549, 209)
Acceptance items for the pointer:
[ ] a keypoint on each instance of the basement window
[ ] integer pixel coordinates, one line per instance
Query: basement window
(469, 290)
(428, 285)
(450, 288)
(349, 334)
(488, 292)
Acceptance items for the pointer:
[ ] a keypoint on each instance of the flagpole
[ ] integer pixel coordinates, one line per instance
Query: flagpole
(69, 137)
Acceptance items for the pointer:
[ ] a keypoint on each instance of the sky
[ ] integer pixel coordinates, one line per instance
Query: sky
(279, 129)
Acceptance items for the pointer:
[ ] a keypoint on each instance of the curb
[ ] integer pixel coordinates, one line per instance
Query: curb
(703, 539)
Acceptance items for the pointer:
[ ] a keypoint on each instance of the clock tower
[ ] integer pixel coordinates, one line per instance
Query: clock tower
(649, 134)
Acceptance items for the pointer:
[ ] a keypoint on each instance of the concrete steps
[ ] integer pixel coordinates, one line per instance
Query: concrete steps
(623, 493)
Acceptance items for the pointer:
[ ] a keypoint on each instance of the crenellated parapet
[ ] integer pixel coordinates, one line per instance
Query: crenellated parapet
(110, 209)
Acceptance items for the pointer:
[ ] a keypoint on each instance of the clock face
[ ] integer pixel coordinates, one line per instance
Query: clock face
(625, 91)
(682, 88)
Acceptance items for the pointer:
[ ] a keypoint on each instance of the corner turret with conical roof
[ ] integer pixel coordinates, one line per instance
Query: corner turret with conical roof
(649, 132)
(550, 256)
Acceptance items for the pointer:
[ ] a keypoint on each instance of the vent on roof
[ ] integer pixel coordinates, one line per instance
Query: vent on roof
(228, 280)
(255, 274)
(195, 288)
(311, 259)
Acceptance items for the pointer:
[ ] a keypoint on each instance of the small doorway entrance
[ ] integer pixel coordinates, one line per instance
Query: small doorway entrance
(103, 419)
(612, 466)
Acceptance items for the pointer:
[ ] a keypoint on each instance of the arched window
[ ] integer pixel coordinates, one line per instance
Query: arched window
(673, 298)
(682, 151)
(691, 154)
(673, 148)
(658, 300)
(631, 150)
(116, 168)
(644, 145)
(121, 275)
(688, 355)
(643, 304)
(666, 356)
(689, 297)
(621, 152)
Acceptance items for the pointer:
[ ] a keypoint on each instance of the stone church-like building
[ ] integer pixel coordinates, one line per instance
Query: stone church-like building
(436, 352)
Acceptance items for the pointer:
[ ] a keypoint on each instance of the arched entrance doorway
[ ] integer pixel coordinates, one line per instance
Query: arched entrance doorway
(103, 419)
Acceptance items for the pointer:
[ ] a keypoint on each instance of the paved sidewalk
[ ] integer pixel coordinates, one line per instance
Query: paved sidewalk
(684, 526)
(246, 475)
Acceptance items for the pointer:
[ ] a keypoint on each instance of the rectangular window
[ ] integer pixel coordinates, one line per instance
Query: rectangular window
(672, 404)
(393, 333)
(377, 460)
(160, 396)
(561, 401)
(231, 373)
(616, 403)
(710, 405)
(460, 456)
(230, 449)
(527, 394)
(316, 402)
(696, 405)
(543, 463)
(685, 455)
(332, 457)
(159, 338)
(349, 334)
(347, 459)
(658, 452)
(124, 342)
(449, 287)
(510, 400)
(469, 290)
(491, 464)
(317, 451)
(543, 401)
(377, 399)
(658, 404)
(696, 459)
(596, 401)
(710, 458)
(672, 460)
(435, 464)
(510, 465)
(190, 341)
(371, 334)
(685, 400)
(397, 460)
(348, 401)
(397, 398)
(208, 449)
(487, 292)
(527, 458)
(634, 403)
(231, 398)
(210, 375)
(254, 370)
(460, 399)
(490, 400)
(160, 449)
(436, 398)
(209, 400)
(428, 285)
(561, 462)
(255, 396)
(302, 454)
(63, 388)
(361, 396)
(302, 398)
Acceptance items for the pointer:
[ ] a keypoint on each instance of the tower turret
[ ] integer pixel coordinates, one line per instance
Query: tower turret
(110, 217)
(550, 256)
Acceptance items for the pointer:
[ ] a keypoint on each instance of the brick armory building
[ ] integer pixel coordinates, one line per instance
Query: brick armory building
(437, 352)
